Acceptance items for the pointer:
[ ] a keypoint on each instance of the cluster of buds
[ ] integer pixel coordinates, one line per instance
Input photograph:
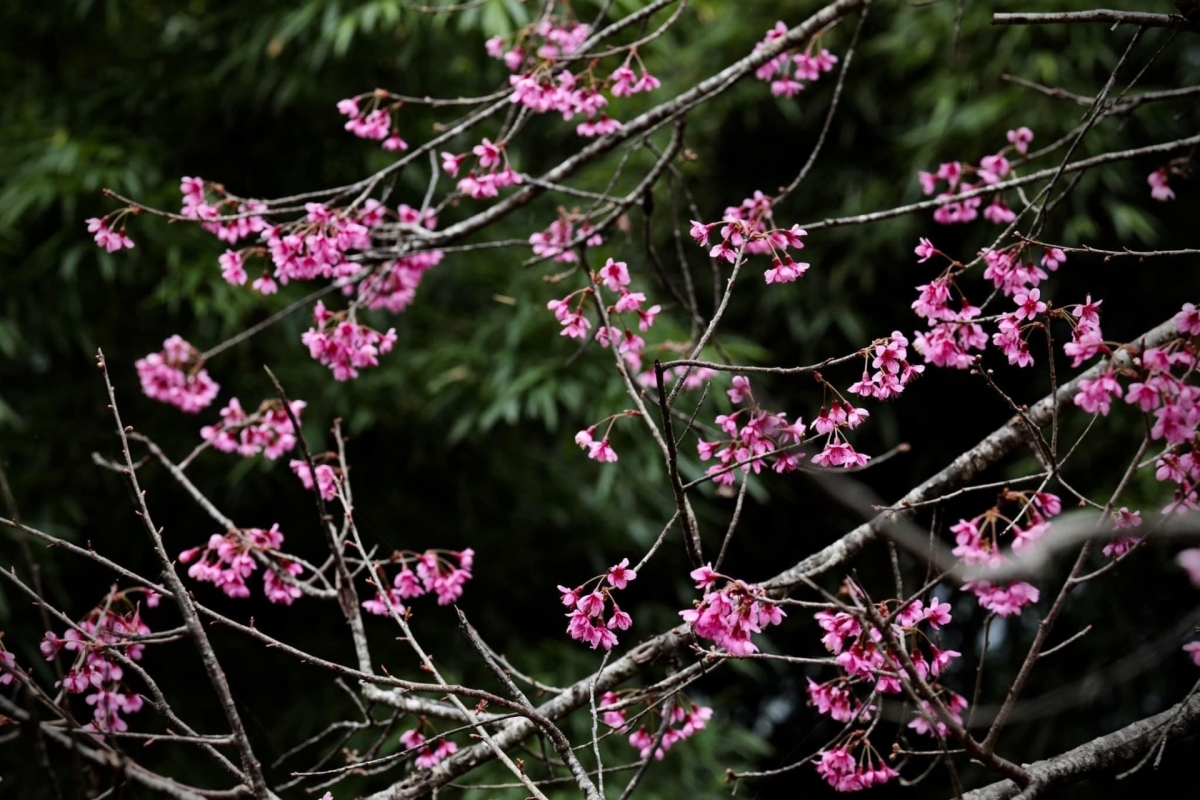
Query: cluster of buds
(343, 345)
(586, 619)
(373, 122)
(556, 241)
(687, 718)
(176, 376)
(429, 755)
(268, 430)
(991, 170)
(231, 557)
(197, 206)
(112, 626)
(443, 572)
(779, 70)
(489, 156)
(729, 616)
(748, 228)
(764, 435)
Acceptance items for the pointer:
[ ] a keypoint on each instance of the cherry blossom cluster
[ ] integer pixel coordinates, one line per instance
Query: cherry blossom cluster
(106, 235)
(687, 718)
(866, 660)
(556, 241)
(268, 430)
(847, 772)
(443, 572)
(748, 228)
(343, 345)
(892, 370)
(755, 435)
(490, 157)
(977, 543)
(600, 449)
(197, 206)
(547, 39)
(374, 121)
(954, 327)
(317, 246)
(540, 87)
(586, 622)
(230, 558)
(991, 170)
(327, 476)
(729, 616)
(95, 672)
(785, 71)
(429, 755)
(394, 285)
(176, 376)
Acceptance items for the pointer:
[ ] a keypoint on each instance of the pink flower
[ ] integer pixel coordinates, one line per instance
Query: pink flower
(232, 269)
(1187, 321)
(620, 575)
(1193, 650)
(1028, 304)
(488, 153)
(394, 142)
(740, 390)
(601, 451)
(614, 274)
(451, 163)
(1159, 189)
(1020, 138)
(1190, 561)
(925, 250)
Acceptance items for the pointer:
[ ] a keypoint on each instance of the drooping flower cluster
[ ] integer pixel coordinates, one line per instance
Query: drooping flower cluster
(786, 81)
(600, 449)
(326, 476)
(317, 246)
(176, 376)
(991, 170)
(729, 616)
(490, 157)
(268, 430)
(586, 621)
(954, 333)
(443, 572)
(846, 772)
(197, 206)
(756, 435)
(430, 754)
(748, 228)
(687, 719)
(374, 121)
(557, 240)
(892, 370)
(541, 87)
(94, 670)
(229, 558)
(977, 543)
(343, 345)
(106, 236)
(394, 285)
